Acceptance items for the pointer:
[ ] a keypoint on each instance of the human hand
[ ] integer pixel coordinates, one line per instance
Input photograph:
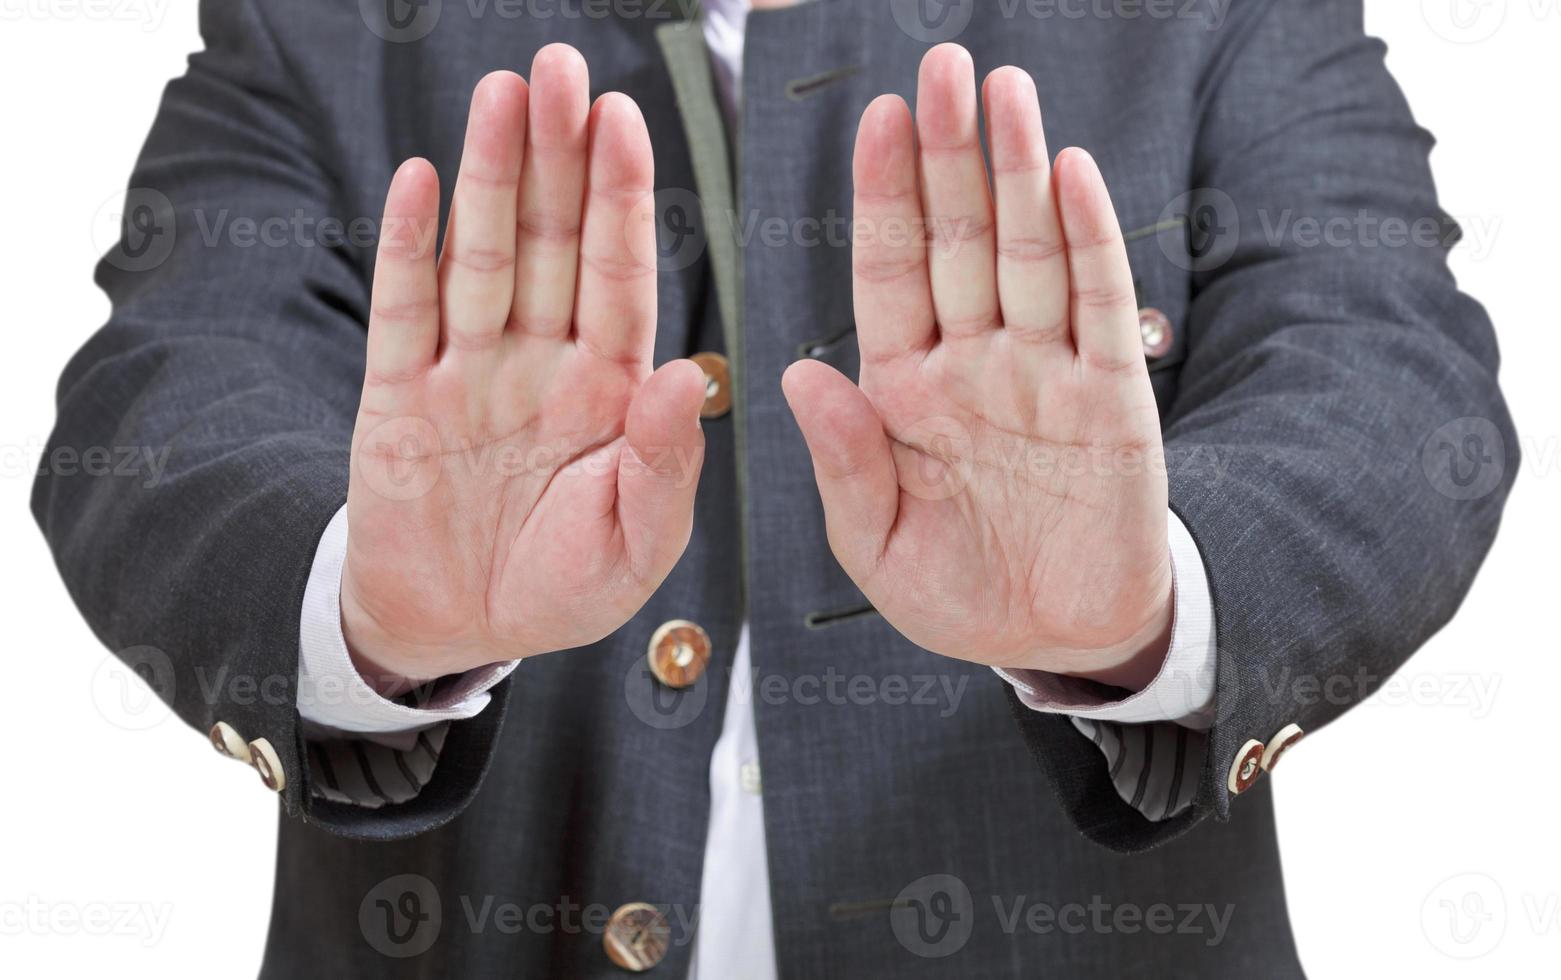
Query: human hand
(995, 486)
(521, 481)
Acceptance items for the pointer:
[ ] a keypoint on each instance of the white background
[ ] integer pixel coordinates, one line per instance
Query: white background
(140, 853)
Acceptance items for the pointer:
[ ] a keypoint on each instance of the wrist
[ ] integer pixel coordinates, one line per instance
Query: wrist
(1131, 664)
(389, 666)
(1134, 664)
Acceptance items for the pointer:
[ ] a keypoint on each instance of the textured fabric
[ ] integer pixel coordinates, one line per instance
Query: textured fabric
(1154, 767)
(357, 771)
(1307, 402)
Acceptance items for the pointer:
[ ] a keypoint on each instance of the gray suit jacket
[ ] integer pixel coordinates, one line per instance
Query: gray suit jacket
(1337, 446)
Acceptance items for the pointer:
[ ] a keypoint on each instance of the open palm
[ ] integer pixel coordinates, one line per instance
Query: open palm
(521, 481)
(995, 485)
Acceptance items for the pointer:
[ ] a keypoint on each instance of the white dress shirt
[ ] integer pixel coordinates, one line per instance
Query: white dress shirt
(735, 939)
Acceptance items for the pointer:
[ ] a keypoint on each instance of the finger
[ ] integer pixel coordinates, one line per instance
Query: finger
(1104, 304)
(852, 462)
(552, 187)
(615, 309)
(955, 195)
(659, 475)
(1032, 260)
(477, 269)
(892, 295)
(404, 309)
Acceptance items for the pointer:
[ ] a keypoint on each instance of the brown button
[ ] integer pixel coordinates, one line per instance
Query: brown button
(1248, 765)
(718, 384)
(679, 651)
(1156, 332)
(1279, 745)
(636, 936)
(226, 740)
(267, 763)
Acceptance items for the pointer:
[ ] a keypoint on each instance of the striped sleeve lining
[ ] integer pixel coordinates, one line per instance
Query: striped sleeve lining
(1154, 767)
(368, 774)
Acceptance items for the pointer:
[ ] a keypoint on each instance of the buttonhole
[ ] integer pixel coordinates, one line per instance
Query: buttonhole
(819, 346)
(1147, 230)
(823, 618)
(841, 911)
(800, 88)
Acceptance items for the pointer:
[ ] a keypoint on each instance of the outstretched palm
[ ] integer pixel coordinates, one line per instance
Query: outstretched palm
(521, 481)
(994, 486)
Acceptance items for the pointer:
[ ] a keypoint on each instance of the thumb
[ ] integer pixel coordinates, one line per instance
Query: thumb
(658, 473)
(852, 462)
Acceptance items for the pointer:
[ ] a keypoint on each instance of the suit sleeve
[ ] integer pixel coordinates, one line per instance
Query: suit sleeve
(240, 355)
(1338, 448)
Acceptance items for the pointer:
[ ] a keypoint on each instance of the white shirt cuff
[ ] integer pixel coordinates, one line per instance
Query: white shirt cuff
(1183, 690)
(333, 698)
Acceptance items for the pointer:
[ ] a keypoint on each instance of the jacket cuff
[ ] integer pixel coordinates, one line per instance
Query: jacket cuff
(464, 758)
(253, 714)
